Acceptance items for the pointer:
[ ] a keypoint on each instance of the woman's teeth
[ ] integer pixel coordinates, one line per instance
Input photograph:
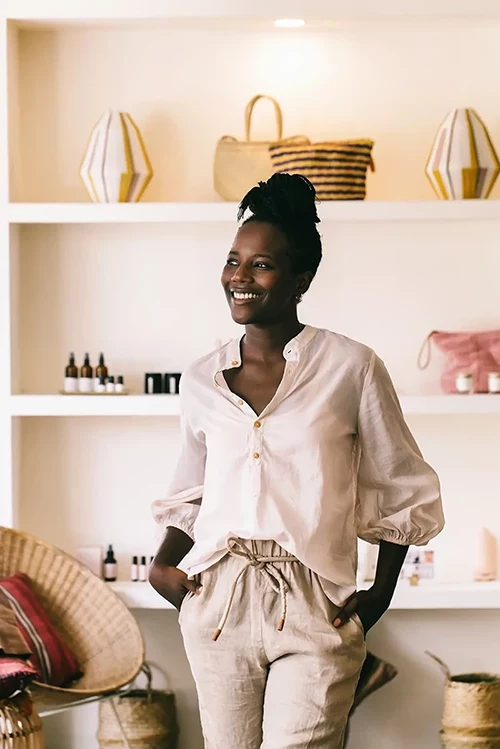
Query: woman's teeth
(246, 295)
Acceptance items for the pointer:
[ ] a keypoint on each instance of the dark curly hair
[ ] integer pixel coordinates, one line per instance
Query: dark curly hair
(288, 201)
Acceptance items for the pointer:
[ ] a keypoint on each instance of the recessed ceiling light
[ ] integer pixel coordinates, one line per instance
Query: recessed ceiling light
(289, 23)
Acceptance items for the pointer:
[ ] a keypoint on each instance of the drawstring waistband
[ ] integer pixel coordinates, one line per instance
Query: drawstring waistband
(264, 564)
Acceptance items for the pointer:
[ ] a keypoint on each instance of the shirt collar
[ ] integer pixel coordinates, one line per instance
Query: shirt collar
(230, 355)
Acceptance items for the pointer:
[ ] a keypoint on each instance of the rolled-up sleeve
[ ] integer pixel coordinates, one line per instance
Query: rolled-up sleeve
(178, 509)
(398, 493)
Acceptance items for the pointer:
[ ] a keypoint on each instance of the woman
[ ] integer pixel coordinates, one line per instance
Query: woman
(293, 445)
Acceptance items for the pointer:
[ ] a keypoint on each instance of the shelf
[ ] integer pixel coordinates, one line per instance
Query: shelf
(427, 596)
(428, 405)
(94, 405)
(342, 211)
(157, 10)
(140, 596)
(168, 405)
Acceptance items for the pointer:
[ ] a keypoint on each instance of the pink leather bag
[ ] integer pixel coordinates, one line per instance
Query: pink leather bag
(475, 353)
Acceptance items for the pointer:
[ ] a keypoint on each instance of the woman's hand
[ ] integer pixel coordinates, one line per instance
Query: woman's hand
(369, 605)
(171, 583)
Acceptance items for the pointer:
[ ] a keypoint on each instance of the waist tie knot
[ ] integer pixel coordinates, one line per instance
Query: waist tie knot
(266, 566)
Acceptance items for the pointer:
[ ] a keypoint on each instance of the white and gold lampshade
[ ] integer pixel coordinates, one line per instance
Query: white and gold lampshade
(463, 163)
(116, 166)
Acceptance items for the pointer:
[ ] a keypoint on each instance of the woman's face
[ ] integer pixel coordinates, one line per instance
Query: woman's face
(257, 278)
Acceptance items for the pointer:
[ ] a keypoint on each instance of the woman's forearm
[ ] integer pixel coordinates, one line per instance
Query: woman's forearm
(390, 560)
(174, 547)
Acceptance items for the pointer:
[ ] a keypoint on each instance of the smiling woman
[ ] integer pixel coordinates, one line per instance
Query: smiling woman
(294, 445)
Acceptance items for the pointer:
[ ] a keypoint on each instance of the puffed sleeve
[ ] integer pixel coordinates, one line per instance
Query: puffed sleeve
(398, 493)
(177, 509)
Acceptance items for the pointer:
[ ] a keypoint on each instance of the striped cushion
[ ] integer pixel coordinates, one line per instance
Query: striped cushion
(337, 170)
(53, 660)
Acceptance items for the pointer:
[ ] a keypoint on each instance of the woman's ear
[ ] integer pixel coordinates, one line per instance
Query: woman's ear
(304, 280)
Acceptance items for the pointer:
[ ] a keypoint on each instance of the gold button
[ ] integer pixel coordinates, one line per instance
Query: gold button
(257, 425)
(256, 456)
(240, 403)
(235, 363)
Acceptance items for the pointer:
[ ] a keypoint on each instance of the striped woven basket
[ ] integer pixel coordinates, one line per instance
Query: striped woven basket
(337, 170)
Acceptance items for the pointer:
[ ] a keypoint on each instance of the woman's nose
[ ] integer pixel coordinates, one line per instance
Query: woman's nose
(242, 274)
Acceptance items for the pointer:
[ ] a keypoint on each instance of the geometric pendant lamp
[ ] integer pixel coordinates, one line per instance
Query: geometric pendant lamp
(116, 166)
(463, 163)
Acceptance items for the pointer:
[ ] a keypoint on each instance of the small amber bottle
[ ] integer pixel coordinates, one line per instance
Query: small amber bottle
(71, 376)
(86, 376)
(101, 370)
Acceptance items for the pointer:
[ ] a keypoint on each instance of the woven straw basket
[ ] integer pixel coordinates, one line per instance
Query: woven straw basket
(91, 619)
(139, 719)
(471, 714)
(20, 726)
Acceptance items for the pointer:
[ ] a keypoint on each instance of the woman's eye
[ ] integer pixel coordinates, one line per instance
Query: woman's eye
(262, 265)
(231, 261)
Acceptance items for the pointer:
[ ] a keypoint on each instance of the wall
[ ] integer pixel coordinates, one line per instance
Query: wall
(148, 296)
(186, 89)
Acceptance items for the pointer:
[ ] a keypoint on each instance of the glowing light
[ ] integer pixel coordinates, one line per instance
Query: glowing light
(289, 23)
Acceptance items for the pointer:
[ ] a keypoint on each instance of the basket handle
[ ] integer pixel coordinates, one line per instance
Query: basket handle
(249, 111)
(444, 668)
(424, 355)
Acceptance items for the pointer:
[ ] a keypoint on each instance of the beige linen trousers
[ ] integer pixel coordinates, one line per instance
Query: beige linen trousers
(270, 669)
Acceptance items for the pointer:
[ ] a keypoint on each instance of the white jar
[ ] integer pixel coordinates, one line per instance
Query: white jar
(465, 383)
(494, 382)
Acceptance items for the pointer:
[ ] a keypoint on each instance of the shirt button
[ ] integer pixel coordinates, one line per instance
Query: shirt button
(257, 425)
(235, 363)
(240, 403)
(256, 456)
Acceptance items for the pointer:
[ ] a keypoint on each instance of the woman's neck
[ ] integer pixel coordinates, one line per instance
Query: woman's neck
(268, 341)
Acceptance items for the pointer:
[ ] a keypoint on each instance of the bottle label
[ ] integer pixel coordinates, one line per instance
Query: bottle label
(110, 571)
(86, 384)
(70, 384)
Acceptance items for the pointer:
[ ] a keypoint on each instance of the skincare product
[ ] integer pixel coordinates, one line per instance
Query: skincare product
(152, 383)
(494, 382)
(86, 383)
(71, 376)
(119, 387)
(91, 557)
(487, 557)
(134, 570)
(171, 383)
(143, 570)
(110, 384)
(101, 385)
(465, 383)
(110, 566)
(101, 370)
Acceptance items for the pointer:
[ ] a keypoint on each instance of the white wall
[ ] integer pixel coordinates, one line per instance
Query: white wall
(187, 88)
(148, 296)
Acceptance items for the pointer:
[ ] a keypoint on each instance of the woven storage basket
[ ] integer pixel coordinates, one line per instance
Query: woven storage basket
(337, 170)
(91, 619)
(20, 726)
(139, 719)
(471, 714)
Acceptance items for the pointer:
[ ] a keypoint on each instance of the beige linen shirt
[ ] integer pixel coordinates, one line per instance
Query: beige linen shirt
(330, 459)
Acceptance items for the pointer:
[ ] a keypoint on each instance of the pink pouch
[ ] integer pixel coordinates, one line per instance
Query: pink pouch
(474, 353)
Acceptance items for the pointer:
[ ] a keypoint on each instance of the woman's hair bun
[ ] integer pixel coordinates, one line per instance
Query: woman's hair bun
(288, 199)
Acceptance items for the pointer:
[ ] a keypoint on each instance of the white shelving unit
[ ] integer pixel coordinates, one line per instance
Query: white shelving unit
(50, 250)
(168, 405)
(446, 596)
(163, 213)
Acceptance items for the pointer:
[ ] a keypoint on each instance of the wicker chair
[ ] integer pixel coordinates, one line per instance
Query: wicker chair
(91, 619)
